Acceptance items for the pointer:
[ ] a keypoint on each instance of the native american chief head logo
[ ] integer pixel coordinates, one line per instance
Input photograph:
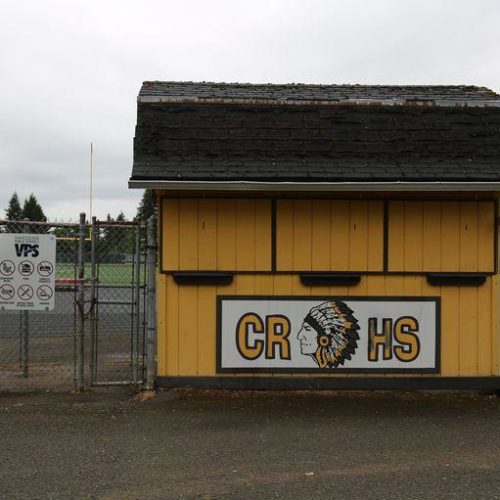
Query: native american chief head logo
(329, 334)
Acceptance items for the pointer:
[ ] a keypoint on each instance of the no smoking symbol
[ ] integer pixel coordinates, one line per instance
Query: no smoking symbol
(44, 292)
(25, 292)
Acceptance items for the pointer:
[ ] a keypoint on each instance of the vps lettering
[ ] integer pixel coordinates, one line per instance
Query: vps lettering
(25, 250)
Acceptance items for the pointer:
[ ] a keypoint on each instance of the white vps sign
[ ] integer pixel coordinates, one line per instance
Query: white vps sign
(27, 271)
(333, 334)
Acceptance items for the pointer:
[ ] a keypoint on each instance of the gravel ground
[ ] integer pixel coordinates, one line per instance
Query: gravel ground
(110, 444)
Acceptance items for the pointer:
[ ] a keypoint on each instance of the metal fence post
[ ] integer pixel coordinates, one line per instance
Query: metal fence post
(25, 334)
(25, 330)
(137, 305)
(80, 348)
(93, 284)
(151, 305)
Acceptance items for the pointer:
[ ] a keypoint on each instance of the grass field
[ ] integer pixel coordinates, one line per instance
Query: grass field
(109, 274)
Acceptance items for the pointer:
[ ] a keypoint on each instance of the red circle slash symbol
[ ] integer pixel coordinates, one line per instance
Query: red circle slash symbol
(25, 292)
(45, 268)
(44, 292)
(7, 292)
(7, 267)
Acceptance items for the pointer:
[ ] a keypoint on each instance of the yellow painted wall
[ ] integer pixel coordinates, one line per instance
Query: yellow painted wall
(187, 337)
(216, 234)
(230, 234)
(441, 236)
(337, 235)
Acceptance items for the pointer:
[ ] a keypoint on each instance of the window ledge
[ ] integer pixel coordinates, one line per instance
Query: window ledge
(203, 278)
(456, 279)
(330, 279)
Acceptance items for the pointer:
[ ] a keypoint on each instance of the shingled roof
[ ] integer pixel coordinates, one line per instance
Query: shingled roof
(230, 134)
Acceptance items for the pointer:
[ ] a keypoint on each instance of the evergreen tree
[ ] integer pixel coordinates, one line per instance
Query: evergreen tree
(14, 211)
(117, 242)
(32, 210)
(123, 240)
(106, 236)
(146, 208)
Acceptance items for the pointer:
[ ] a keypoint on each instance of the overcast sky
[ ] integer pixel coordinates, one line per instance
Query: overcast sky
(70, 71)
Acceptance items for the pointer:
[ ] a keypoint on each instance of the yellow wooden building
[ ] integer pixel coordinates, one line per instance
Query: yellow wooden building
(322, 236)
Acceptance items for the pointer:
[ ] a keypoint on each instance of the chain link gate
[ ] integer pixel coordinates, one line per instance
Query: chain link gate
(117, 298)
(96, 333)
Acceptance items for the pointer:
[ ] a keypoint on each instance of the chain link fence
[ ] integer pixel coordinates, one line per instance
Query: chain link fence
(118, 293)
(37, 348)
(95, 334)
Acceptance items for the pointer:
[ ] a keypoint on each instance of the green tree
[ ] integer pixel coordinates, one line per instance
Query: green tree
(32, 210)
(14, 211)
(146, 208)
(105, 237)
(117, 241)
(123, 237)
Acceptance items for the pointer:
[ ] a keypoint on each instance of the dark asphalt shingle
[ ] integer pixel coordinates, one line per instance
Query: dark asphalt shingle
(187, 140)
(300, 91)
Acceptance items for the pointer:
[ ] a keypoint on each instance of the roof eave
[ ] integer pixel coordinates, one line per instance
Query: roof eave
(435, 186)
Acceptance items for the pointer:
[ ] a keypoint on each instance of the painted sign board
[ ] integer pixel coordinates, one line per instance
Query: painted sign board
(328, 334)
(27, 271)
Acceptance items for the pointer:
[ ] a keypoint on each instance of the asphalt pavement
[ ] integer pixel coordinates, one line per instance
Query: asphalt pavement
(110, 444)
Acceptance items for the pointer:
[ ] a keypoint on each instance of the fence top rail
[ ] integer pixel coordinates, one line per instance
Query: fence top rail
(117, 223)
(4, 222)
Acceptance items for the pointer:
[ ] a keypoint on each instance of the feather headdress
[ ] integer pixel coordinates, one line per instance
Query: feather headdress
(337, 333)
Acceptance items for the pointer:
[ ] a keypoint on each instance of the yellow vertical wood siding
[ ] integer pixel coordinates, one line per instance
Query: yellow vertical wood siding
(216, 234)
(322, 235)
(187, 339)
(329, 235)
(433, 236)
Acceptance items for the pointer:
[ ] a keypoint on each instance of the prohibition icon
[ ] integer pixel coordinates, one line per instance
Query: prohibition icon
(7, 292)
(26, 268)
(44, 292)
(25, 292)
(7, 267)
(44, 268)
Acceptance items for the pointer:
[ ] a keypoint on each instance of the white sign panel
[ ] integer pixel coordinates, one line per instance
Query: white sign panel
(332, 334)
(27, 271)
